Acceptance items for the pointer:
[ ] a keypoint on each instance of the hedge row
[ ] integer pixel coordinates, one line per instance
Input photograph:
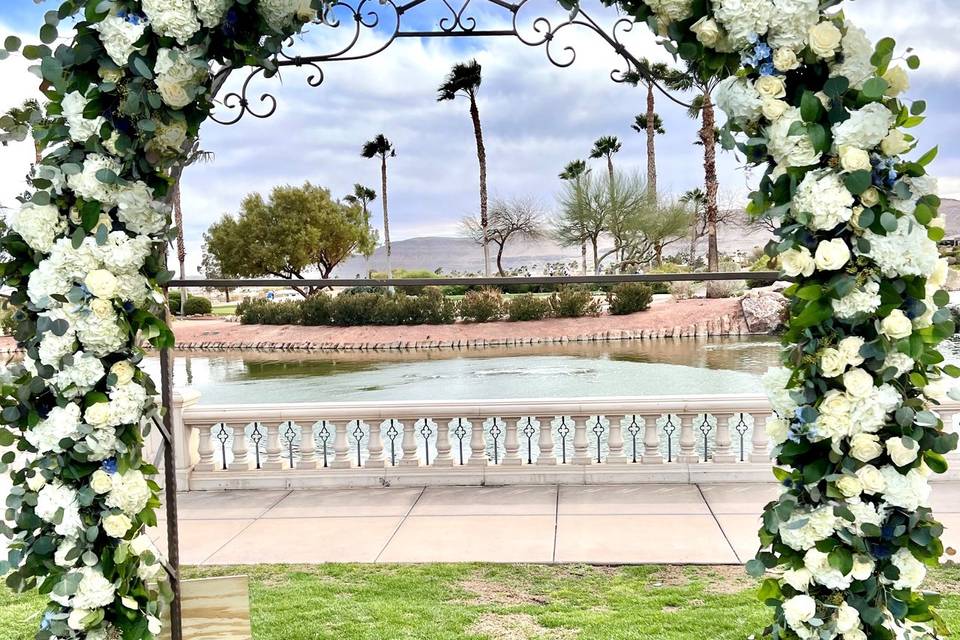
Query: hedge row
(196, 305)
(359, 307)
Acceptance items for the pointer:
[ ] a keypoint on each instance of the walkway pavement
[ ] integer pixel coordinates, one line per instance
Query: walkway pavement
(696, 524)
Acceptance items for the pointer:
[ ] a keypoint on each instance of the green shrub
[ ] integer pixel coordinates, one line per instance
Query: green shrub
(682, 289)
(482, 305)
(315, 310)
(573, 302)
(667, 267)
(8, 318)
(527, 306)
(629, 297)
(262, 311)
(430, 307)
(723, 288)
(406, 274)
(359, 308)
(763, 263)
(196, 305)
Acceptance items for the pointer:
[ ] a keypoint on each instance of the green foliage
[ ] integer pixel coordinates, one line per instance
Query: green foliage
(196, 305)
(482, 305)
(629, 297)
(573, 302)
(666, 267)
(527, 306)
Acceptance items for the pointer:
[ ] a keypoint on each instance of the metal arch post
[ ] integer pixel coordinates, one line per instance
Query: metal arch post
(170, 489)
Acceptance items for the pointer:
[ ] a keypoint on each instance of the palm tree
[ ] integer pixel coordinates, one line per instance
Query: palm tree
(363, 196)
(701, 107)
(573, 172)
(195, 155)
(605, 147)
(382, 148)
(464, 79)
(650, 122)
(696, 200)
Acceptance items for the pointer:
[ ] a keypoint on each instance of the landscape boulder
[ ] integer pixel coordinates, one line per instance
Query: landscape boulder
(764, 310)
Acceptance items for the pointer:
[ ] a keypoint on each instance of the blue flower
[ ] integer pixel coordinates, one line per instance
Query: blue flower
(110, 465)
(230, 23)
(45, 623)
(767, 69)
(762, 51)
(881, 551)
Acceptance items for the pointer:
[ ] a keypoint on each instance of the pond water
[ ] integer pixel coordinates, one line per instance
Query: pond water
(689, 366)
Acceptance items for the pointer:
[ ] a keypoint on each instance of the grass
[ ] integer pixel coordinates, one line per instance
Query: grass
(492, 602)
(225, 309)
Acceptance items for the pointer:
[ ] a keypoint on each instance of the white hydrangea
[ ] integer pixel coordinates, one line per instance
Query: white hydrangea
(119, 36)
(81, 128)
(126, 404)
(925, 185)
(211, 12)
(93, 591)
(799, 610)
(86, 185)
(775, 382)
(818, 564)
(137, 209)
(53, 347)
(907, 251)
(56, 497)
(862, 300)
(80, 377)
(60, 423)
(855, 63)
(172, 18)
(284, 15)
(38, 225)
(179, 73)
(100, 335)
(912, 571)
(67, 548)
(791, 23)
(744, 19)
(870, 412)
(671, 10)
(790, 150)
(130, 492)
(102, 444)
(908, 491)
(899, 361)
(804, 529)
(864, 513)
(739, 99)
(825, 198)
(865, 128)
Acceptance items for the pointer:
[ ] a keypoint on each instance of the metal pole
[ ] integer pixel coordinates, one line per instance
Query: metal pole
(170, 485)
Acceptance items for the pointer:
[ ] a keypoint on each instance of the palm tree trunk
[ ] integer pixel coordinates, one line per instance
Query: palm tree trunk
(610, 168)
(386, 217)
(583, 257)
(710, 180)
(651, 145)
(596, 259)
(181, 249)
(482, 158)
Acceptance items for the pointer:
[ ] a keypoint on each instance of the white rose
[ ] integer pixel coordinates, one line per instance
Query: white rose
(870, 197)
(853, 159)
(770, 87)
(897, 81)
(101, 283)
(831, 254)
(832, 362)
(116, 526)
(100, 481)
(97, 414)
(848, 618)
(850, 486)
(895, 143)
(870, 477)
(777, 429)
(896, 325)
(902, 451)
(707, 30)
(124, 371)
(799, 579)
(141, 544)
(154, 625)
(850, 347)
(799, 610)
(36, 482)
(102, 309)
(862, 566)
(858, 383)
(795, 262)
(825, 39)
(774, 109)
(912, 571)
(75, 619)
(785, 59)
(938, 278)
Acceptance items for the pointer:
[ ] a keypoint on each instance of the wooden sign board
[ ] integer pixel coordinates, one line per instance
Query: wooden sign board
(214, 609)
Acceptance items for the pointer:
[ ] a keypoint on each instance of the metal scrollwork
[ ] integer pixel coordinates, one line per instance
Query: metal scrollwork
(385, 19)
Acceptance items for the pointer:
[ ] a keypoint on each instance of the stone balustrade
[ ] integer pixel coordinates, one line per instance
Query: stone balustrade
(717, 438)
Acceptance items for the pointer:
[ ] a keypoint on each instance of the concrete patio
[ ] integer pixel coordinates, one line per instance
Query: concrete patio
(632, 524)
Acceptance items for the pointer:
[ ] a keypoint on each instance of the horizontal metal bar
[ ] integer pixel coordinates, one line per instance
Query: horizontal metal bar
(224, 283)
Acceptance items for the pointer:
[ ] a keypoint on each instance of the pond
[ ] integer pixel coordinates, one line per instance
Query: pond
(636, 368)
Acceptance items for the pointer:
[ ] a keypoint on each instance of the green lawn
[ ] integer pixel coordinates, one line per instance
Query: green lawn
(225, 309)
(493, 602)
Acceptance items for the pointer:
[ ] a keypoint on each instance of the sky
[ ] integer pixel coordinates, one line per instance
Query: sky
(536, 116)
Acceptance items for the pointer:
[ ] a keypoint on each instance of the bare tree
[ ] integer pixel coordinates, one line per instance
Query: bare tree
(516, 218)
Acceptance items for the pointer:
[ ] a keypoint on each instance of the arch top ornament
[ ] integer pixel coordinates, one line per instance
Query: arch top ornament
(810, 100)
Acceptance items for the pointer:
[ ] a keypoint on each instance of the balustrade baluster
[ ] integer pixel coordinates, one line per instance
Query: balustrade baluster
(526, 429)
(341, 446)
(651, 440)
(547, 457)
(581, 446)
(356, 434)
(511, 443)
(204, 449)
(308, 448)
(688, 441)
(478, 446)
(759, 451)
(723, 452)
(274, 450)
(615, 453)
(409, 445)
(444, 456)
(240, 459)
(375, 447)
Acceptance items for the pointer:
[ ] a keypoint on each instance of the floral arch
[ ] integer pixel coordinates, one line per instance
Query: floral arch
(845, 547)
